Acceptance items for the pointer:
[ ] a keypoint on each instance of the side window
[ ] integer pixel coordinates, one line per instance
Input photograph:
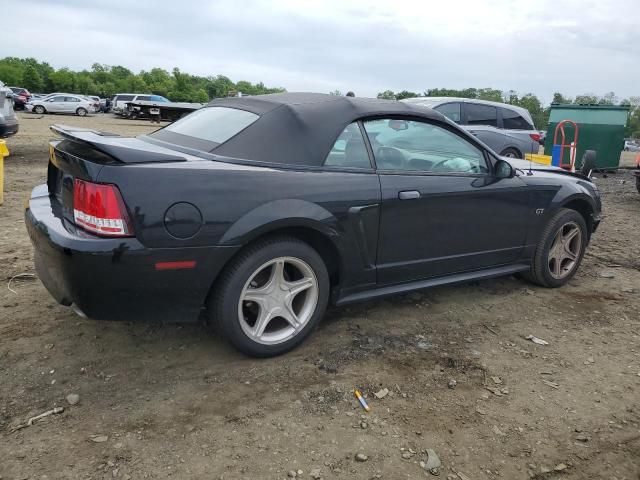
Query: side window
(422, 147)
(71, 99)
(478, 114)
(450, 110)
(56, 99)
(125, 98)
(144, 98)
(349, 150)
(511, 120)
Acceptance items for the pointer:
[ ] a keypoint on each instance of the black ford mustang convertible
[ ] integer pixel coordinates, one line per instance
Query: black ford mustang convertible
(259, 211)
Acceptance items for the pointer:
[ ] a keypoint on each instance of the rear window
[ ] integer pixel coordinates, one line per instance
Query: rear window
(157, 98)
(207, 128)
(144, 98)
(513, 121)
(478, 114)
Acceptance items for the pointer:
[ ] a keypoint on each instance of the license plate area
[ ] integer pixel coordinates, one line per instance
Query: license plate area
(154, 111)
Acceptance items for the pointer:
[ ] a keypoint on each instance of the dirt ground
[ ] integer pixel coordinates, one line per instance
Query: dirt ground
(174, 401)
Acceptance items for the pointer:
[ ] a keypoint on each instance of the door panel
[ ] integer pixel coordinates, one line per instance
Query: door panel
(443, 211)
(458, 223)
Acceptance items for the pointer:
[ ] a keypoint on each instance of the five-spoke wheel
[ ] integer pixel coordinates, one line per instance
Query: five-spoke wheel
(278, 300)
(271, 296)
(559, 250)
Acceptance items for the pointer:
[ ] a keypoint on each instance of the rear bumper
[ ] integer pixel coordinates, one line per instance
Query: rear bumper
(8, 129)
(117, 278)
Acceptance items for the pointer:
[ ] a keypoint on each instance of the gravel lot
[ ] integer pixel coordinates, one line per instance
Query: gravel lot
(160, 401)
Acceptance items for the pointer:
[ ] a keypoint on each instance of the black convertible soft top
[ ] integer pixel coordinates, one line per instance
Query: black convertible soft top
(301, 128)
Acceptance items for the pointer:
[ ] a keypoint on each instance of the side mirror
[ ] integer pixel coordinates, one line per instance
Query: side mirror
(588, 163)
(504, 169)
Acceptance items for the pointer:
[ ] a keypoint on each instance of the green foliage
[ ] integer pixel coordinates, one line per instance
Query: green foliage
(387, 95)
(106, 81)
(406, 94)
(31, 79)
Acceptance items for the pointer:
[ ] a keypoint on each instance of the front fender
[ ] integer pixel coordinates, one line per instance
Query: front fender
(280, 214)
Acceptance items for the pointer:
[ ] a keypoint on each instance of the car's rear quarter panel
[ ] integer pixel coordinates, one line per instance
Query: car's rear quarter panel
(239, 203)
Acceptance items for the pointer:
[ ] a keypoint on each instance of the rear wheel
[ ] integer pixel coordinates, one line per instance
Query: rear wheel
(270, 298)
(560, 249)
(81, 112)
(511, 153)
(39, 109)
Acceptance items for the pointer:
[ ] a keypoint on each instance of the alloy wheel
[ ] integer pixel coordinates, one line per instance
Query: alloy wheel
(278, 300)
(565, 250)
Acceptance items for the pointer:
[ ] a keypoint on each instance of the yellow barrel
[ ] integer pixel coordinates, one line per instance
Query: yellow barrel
(4, 152)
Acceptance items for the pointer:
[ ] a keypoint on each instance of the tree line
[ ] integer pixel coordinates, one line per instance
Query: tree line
(178, 86)
(106, 81)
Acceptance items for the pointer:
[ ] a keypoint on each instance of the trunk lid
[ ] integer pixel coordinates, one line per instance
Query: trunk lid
(83, 153)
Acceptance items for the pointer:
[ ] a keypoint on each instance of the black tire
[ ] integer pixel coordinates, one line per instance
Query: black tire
(511, 153)
(638, 182)
(81, 112)
(540, 272)
(225, 298)
(39, 109)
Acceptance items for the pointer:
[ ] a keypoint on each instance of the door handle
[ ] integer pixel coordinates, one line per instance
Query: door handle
(409, 195)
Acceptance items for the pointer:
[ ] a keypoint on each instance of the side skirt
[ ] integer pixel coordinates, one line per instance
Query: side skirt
(431, 282)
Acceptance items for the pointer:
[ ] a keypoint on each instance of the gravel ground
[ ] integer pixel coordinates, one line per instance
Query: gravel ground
(160, 401)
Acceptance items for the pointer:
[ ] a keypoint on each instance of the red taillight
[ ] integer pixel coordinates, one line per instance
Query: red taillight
(99, 208)
(535, 136)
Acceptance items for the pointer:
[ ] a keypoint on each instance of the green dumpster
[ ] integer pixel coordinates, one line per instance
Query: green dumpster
(600, 128)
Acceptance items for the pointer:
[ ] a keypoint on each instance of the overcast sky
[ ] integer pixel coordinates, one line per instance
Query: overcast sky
(367, 46)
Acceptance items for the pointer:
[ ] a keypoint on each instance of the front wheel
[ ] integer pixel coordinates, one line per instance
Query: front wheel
(559, 250)
(39, 109)
(81, 112)
(270, 298)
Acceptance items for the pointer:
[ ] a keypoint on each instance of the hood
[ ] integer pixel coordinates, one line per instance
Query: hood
(526, 165)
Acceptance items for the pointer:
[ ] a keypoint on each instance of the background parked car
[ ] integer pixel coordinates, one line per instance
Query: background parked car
(8, 119)
(63, 104)
(507, 129)
(21, 97)
(119, 101)
(632, 145)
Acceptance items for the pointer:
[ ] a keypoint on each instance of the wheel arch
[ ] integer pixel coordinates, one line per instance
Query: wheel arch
(317, 229)
(584, 207)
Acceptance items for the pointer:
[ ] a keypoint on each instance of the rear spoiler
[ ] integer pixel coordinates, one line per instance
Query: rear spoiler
(124, 149)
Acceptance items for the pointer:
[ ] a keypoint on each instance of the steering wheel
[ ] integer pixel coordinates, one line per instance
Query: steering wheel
(390, 157)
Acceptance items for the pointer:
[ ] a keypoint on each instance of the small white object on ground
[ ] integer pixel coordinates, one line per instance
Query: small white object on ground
(537, 340)
(380, 394)
(53, 411)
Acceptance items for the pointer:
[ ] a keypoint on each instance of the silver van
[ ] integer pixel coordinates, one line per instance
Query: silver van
(507, 129)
